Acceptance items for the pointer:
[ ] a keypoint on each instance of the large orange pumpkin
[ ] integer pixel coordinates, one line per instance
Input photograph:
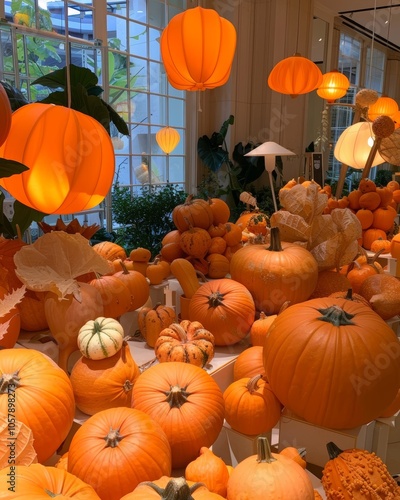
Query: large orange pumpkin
(187, 403)
(225, 308)
(195, 212)
(69, 154)
(335, 340)
(275, 274)
(117, 449)
(39, 394)
(38, 482)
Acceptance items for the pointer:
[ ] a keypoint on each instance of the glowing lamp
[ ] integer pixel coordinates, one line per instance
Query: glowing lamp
(295, 75)
(168, 138)
(334, 86)
(197, 49)
(396, 119)
(384, 106)
(354, 145)
(70, 158)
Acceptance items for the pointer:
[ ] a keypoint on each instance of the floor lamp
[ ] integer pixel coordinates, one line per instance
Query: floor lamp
(270, 150)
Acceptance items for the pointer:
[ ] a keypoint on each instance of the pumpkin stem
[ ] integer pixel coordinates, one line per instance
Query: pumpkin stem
(264, 454)
(215, 299)
(349, 294)
(333, 450)
(275, 240)
(177, 489)
(113, 438)
(336, 316)
(302, 452)
(252, 384)
(8, 382)
(176, 327)
(177, 396)
(127, 386)
(51, 494)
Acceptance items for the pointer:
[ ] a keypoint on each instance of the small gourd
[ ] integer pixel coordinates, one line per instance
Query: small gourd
(100, 338)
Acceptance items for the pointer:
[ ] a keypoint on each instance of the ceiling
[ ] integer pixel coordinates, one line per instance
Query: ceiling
(375, 18)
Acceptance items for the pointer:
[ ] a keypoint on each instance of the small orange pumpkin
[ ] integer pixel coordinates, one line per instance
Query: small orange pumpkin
(195, 242)
(249, 363)
(209, 469)
(194, 212)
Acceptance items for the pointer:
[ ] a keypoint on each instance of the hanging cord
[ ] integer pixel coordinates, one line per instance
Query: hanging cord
(298, 27)
(372, 48)
(389, 19)
(67, 55)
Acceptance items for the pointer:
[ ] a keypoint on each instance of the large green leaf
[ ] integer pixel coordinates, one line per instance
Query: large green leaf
(11, 167)
(250, 168)
(121, 125)
(211, 153)
(77, 74)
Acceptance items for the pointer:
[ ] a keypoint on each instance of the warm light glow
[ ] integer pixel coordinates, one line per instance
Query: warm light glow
(295, 75)
(197, 49)
(168, 138)
(396, 119)
(354, 145)
(70, 158)
(383, 106)
(334, 86)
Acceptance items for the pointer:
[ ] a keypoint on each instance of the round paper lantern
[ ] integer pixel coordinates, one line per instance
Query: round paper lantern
(70, 158)
(5, 113)
(197, 49)
(168, 138)
(295, 75)
(354, 145)
(383, 106)
(396, 119)
(334, 86)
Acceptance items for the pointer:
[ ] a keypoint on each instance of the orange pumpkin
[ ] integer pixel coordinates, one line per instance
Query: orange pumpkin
(370, 200)
(114, 294)
(194, 212)
(393, 408)
(116, 440)
(209, 469)
(195, 242)
(233, 234)
(138, 286)
(36, 392)
(220, 209)
(249, 363)
(275, 274)
(100, 384)
(296, 454)
(366, 185)
(152, 320)
(32, 313)
(6, 115)
(260, 327)
(39, 482)
(251, 407)
(371, 235)
(217, 245)
(358, 272)
(330, 281)
(218, 266)
(383, 218)
(380, 245)
(225, 308)
(386, 196)
(354, 199)
(187, 403)
(269, 475)
(339, 340)
(383, 293)
(366, 217)
(110, 250)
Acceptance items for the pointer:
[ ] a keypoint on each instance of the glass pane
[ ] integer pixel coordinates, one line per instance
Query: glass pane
(157, 80)
(138, 39)
(122, 170)
(156, 13)
(154, 41)
(159, 169)
(138, 73)
(176, 169)
(141, 111)
(176, 112)
(117, 33)
(138, 10)
(140, 139)
(158, 109)
(6, 51)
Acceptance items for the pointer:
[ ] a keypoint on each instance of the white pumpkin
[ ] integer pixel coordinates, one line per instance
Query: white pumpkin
(100, 338)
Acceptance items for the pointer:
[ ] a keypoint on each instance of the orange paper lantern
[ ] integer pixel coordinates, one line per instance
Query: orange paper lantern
(5, 115)
(334, 86)
(384, 106)
(197, 49)
(168, 138)
(69, 155)
(295, 75)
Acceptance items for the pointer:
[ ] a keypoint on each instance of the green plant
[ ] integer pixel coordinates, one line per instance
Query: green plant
(383, 177)
(143, 220)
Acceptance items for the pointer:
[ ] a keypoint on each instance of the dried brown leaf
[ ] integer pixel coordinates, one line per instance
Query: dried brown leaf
(22, 438)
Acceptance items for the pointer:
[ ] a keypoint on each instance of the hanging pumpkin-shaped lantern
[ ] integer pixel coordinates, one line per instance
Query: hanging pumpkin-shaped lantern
(295, 75)
(334, 86)
(383, 106)
(197, 49)
(354, 145)
(168, 138)
(5, 113)
(69, 154)
(396, 119)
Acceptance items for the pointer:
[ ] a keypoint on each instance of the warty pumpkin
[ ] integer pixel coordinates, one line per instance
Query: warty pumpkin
(275, 274)
(188, 404)
(187, 341)
(356, 475)
(338, 340)
(99, 384)
(224, 307)
(100, 338)
(39, 482)
(251, 407)
(269, 475)
(35, 391)
(195, 242)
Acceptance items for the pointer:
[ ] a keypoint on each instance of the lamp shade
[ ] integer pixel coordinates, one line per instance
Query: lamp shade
(69, 154)
(168, 138)
(5, 114)
(396, 119)
(334, 86)
(354, 145)
(197, 49)
(384, 106)
(295, 75)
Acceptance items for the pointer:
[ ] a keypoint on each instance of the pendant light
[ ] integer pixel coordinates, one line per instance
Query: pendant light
(197, 49)
(334, 86)
(384, 106)
(168, 138)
